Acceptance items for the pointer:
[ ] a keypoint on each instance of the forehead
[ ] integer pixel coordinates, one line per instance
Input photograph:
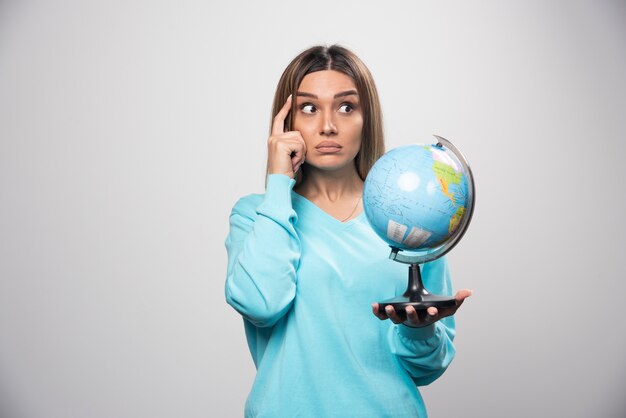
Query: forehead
(326, 83)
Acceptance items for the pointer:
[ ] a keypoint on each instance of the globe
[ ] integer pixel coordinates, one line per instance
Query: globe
(420, 198)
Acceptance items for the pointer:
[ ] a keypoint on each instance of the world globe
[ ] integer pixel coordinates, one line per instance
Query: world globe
(420, 198)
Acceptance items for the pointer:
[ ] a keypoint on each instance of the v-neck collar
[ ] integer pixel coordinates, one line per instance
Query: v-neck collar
(329, 219)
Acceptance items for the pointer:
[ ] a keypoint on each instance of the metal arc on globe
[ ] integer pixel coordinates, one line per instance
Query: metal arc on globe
(420, 198)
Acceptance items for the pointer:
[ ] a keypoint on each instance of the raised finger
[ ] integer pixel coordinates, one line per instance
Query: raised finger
(278, 127)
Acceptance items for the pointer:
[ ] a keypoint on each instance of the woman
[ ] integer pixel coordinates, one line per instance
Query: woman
(304, 266)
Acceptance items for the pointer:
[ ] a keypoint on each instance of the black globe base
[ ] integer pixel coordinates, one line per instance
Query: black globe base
(417, 296)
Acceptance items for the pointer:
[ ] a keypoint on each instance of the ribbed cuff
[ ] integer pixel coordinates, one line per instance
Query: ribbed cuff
(278, 189)
(277, 200)
(413, 333)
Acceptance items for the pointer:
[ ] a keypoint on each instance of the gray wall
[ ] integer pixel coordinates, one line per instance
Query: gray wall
(129, 128)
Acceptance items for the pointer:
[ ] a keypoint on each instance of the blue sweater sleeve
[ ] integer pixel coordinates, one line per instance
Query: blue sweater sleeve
(263, 254)
(428, 351)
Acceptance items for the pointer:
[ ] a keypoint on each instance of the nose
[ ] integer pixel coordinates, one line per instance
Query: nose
(328, 125)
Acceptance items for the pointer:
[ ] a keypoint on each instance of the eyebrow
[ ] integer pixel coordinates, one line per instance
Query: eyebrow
(342, 94)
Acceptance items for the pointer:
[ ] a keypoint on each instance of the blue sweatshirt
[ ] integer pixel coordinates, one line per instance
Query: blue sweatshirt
(304, 283)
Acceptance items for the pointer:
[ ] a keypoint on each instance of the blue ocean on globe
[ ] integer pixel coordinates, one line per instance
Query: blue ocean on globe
(415, 197)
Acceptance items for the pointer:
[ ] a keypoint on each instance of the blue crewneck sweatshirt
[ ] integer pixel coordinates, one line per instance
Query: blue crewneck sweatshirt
(304, 283)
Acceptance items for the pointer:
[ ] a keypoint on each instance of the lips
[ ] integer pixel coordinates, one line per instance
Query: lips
(328, 147)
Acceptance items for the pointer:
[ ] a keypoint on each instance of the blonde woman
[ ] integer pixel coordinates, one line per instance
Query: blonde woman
(304, 266)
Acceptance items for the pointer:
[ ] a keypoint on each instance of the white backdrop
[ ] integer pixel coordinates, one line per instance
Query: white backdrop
(128, 129)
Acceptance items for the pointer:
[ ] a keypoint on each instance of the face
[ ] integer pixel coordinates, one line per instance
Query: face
(329, 118)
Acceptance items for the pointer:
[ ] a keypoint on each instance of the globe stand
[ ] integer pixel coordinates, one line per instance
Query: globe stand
(416, 294)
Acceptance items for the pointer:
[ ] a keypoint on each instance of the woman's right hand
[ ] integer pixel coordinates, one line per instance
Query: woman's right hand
(285, 150)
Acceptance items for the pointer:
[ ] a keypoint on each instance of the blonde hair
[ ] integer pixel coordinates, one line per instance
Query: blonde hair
(337, 58)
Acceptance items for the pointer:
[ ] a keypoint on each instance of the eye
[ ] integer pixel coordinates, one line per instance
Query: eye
(308, 108)
(346, 108)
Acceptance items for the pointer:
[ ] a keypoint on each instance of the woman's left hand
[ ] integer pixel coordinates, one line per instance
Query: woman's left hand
(421, 319)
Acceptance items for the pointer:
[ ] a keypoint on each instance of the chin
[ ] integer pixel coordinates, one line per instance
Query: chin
(330, 165)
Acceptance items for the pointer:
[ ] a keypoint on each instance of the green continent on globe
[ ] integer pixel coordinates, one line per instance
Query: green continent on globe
(446, 175)
(446, 172)
(455, 220)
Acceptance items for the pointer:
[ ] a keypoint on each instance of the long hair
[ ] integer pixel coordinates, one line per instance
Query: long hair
(337, 58)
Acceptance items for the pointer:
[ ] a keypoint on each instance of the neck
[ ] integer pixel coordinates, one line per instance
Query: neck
(330, 186)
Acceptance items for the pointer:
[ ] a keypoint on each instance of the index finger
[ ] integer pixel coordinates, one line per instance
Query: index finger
(278, 127)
